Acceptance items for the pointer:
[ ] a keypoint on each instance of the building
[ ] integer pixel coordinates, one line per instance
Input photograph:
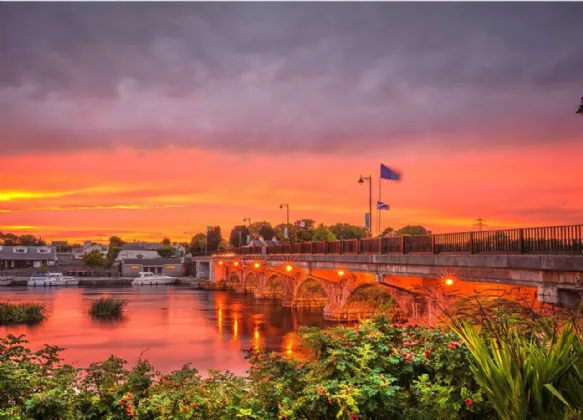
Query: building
(27, 256)
(89, 246)
(139, 250)
(62, 246)
(164, 266)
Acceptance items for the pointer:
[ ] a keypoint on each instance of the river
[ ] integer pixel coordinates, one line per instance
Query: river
(170, 325)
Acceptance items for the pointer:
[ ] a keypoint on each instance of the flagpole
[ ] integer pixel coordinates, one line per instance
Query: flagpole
(380, 200)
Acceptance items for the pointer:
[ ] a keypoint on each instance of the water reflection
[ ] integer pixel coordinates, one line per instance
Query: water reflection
(175, 325)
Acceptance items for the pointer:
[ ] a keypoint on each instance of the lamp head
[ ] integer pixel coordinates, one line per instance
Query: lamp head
(580, 110)
(361, 181)
(281, 206)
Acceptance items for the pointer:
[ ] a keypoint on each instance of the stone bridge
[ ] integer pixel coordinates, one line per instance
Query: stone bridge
(416, 288)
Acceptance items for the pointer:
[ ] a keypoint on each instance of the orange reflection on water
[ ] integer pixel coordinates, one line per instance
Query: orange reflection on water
(172, 325)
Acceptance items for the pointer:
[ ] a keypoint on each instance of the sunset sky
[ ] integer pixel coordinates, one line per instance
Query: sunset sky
(150, 120)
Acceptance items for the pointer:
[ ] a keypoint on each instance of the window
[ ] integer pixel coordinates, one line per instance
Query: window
(20, 250)
(43, 250)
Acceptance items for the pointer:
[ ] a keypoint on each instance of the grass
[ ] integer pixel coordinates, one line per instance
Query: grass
(22, 313)
(107, 307)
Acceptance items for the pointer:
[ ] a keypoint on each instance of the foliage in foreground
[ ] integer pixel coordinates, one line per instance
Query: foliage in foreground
(529, 366)
(107, 307)
(375, 370)
(21, 313)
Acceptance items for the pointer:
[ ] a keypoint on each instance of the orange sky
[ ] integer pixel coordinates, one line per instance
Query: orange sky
(167, 192)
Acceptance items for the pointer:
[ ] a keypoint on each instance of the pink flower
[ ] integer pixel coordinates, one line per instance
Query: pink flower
(469, 401)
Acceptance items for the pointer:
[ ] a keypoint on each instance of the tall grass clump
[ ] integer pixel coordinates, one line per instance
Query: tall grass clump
(529, 362)
(12, 313)
(107, 307)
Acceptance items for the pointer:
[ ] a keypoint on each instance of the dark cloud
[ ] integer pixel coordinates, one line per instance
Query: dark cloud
(324, 77)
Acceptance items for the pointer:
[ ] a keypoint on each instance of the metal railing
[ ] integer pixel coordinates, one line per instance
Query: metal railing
(541, 240)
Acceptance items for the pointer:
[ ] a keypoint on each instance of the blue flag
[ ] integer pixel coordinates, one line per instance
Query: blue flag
(388, 173)
(382, 206)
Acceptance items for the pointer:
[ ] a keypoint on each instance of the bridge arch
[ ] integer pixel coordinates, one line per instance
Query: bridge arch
(310, 294)
(477, 308)
(251, 282)
(365, 301)
(275, 288)
(234, 281)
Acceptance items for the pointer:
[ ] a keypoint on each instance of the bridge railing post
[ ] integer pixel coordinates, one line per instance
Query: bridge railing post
(403, 251)
(472, 249)
(521, 240)
(432, 244)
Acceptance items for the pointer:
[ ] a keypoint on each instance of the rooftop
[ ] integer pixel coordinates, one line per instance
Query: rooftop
(20, 253)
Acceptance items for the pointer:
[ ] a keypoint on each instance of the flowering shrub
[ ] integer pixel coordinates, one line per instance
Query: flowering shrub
(375, 370)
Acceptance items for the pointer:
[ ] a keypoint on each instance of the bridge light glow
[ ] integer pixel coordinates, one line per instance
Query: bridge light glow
(256, 265)
(220, 263)
(236, 263)
(449, 282)
(340, 272)
(288, 268)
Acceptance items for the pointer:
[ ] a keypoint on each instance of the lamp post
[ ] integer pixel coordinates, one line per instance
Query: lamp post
(248, 219)
(580, 110)
(281, 206)
(369, 180)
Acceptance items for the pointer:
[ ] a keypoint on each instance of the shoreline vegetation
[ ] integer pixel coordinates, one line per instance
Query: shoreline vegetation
(29, 313)
(502, 364)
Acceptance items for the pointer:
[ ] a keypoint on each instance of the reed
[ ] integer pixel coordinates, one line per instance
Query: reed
(21, 313)
(107, 307)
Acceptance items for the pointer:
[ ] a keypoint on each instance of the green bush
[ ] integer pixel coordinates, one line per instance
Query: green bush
(21, 313)
(107, 307)
(375, 370)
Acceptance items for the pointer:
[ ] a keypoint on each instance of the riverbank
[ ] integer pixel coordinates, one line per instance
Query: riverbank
(102, 281)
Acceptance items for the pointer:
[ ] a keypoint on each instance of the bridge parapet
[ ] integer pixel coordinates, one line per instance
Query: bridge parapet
(566, 240)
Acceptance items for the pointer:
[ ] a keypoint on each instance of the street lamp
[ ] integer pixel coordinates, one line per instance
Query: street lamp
(248, 219)
(369, 180)
(580, 110)
(281, 206)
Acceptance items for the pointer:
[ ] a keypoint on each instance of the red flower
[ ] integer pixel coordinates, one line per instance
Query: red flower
(469, 402)
(427, 353)
(329, 400)
(354, 416)
(452, 345)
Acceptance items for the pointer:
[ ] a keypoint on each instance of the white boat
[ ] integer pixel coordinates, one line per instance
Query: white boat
(146, 278)
(6, 281)
(52, 279)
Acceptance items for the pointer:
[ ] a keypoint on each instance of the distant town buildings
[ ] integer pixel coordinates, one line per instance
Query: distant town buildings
(27, 256)
(89, 246)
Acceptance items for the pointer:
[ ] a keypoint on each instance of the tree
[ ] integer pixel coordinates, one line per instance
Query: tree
(263, 229)
(28, 240)
(223, 245)
(165, 251)
(94, 259)
(9, 239)
(388, 232)
(198, 242)
(348, 231)
(166, 242)
(323, 233)
(214, 238)
(411, 230)
(112, 254)
(234, 236)
(116, 241)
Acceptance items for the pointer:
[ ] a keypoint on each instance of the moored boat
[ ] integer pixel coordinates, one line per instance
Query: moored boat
(52, 279)
(147, 278)
(6, 281)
